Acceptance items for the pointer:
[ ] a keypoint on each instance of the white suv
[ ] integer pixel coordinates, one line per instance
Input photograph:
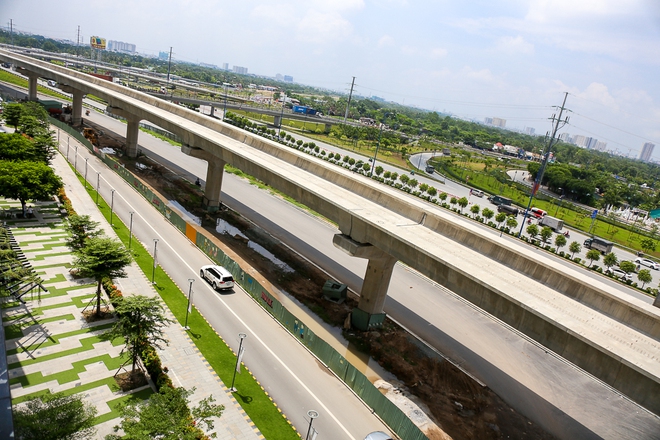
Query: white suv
(219, 277)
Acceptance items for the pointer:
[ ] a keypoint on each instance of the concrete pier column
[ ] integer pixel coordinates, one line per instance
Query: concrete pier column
(277, 120)
(132, 129)
(132, 132)
(32, 86)
(213, 189)
(214, 175)
(212, 111)
(77, 107)
(369, 312)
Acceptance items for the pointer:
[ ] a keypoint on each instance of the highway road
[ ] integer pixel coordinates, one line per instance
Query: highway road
(563, 399)
(552, 392)
(295, 379)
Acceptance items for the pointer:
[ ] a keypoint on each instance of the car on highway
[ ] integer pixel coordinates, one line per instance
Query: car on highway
(217, 276)
(648, 263)
(618, 273)
(477, 192)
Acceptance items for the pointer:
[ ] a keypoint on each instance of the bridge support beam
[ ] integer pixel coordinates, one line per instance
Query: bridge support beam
(328, 127)
(32, 86)
(277, 120)
(76, 107)
(132, 129)
(214, 175)
(212, 111)
(369, 312)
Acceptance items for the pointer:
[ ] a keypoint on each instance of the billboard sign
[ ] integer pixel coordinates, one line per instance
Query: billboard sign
(97, 43)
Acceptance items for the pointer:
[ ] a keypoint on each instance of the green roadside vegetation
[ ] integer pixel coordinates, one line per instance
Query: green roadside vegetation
(482, 172)
(253, 399)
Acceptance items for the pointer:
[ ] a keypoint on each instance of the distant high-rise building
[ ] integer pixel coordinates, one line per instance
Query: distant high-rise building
(590, 143)
(288, 78)
(488, 121)
(279, 77)
(225, 66)
(565, 137)
(601, 146)
(163, 55)
(240, 70)
(530, 130)
(647, 151)
(579, 140)
(120, 46)
(499, 122)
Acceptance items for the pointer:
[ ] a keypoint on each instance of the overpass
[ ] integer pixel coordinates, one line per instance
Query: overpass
(277, 115)
(611, 335)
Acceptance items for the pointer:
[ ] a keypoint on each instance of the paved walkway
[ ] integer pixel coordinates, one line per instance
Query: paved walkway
(48, 338)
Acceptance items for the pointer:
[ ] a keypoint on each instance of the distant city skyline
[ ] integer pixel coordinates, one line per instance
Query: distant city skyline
(510, 60)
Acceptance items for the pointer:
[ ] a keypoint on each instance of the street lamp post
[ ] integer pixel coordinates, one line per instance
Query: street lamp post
(75, 161)
(98, 186)
(312, 415)
(559, 202)
(224, 112)
(279, 129)
(86, 159)
(130, 231)
(373, 162)
(153, 271)
(242, 336)
(190, 292)
(112, 204)
(67, 147)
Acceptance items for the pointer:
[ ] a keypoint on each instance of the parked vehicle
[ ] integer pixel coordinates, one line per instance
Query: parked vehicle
(648, 263)
(508, 210)
(618, 273)
(604, 246)
(552, 222)
(538, 213)
(219, 277)
(499, 200)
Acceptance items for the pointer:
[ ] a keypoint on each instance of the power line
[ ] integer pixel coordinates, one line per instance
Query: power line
(615, 128)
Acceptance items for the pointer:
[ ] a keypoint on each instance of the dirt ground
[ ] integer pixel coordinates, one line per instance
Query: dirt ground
(459, 405)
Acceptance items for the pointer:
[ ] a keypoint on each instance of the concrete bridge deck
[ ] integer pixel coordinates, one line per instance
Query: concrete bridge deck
(613, 337)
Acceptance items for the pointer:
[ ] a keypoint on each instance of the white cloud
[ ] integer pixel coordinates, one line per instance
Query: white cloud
(319, 27)
(514, 46)
(385, 41)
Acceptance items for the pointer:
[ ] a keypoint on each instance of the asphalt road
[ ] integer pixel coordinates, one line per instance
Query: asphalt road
(554, 393)
(289, 373)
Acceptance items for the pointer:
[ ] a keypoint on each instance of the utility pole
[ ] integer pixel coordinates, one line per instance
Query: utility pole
(11, 30)
(169, 65)
(348, 104)
(78, 42)
(546, 156)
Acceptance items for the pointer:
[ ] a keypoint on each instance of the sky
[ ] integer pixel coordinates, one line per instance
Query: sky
(510, 59)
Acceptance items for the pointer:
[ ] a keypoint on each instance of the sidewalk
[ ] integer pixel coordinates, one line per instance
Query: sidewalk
(187, 368)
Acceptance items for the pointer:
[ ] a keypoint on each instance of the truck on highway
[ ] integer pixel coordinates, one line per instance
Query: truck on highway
(52, 107)
(304, 110)
(552, 222)
(499, 200)
(604, 246)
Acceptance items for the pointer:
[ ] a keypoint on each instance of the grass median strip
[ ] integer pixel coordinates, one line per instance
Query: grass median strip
(253, 399)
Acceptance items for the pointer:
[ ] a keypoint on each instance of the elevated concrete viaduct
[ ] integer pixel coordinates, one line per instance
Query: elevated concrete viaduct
(607, 333)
